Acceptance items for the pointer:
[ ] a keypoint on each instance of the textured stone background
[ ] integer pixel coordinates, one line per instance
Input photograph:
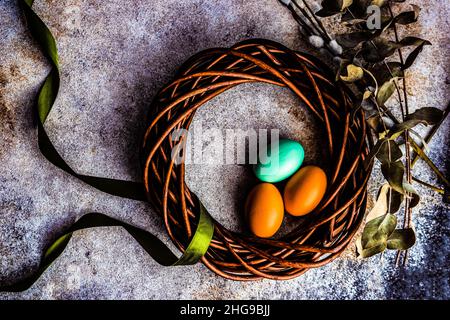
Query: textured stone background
(114, 56)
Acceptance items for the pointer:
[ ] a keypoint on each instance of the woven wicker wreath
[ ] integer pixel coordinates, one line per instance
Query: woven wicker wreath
(327, 231)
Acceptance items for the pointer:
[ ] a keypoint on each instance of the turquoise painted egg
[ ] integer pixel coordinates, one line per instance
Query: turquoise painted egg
(281, 161)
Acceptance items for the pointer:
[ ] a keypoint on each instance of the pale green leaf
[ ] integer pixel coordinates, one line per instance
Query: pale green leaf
(386, 91)
(412, 194)
(408, 17)
(394, 172)
(354, 73)
(346, 4)
(377, 230)
(380, 207)
(395, 200)
(378, 3)
(367, 94)
(389, 152)
(427, 116)
(369, 252)
(401, 239)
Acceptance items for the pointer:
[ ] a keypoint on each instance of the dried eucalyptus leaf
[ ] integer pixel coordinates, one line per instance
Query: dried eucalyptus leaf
(401, 239)
(399, 128)
(393, 173)
(426, 115)
(369, 252)
(351, 40)
(394, 69)
(378, 230)
(375, 123)
(378, 49)
(386, 71)
(367, 94)
(380, 125)
(378, 3)
(358, 9)
(413, 41)
(416, 138)
(389, 152)
(354, 73)
(412, 193)
(386, 91)
(373, 152)
(408, 17)
(342, 67)
(345, 4)
(330, 7)
(386, 22)
(364, 103)
(413, 55)
(395, 200)
(381, 205)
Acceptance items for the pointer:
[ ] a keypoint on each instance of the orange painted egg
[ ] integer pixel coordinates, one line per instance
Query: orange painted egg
(304, 190)
(264, 210)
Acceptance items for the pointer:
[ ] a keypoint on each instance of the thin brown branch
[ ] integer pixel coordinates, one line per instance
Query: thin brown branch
(408, 210)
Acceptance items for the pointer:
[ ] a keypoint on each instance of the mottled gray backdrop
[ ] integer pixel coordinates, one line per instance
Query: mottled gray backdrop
(114, 56)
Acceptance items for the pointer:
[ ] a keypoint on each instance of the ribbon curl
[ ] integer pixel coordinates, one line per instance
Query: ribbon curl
(199, 242)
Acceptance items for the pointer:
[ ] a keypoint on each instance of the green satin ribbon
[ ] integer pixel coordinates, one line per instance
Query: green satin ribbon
(151, 244)
(46, 98)
(201, 239)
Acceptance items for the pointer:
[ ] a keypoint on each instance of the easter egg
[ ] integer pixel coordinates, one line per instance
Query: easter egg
(281, 162)
(304, 190)
(264, 210)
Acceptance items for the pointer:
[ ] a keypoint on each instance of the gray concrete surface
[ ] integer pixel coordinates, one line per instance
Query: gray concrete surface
(114, 56)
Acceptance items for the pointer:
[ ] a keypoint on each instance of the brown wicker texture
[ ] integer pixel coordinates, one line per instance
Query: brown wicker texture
(325, 233)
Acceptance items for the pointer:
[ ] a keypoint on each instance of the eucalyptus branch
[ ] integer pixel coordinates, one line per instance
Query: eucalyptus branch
(362, 53)
(408, 210)
(421, 154)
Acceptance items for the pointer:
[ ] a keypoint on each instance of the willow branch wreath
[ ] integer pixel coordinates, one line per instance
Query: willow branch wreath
(324, 234)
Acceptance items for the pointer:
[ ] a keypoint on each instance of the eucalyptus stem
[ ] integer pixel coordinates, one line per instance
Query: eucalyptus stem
(426, 184)
(389, 146)
(408, 209)
(312, 25)
(420, 153)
